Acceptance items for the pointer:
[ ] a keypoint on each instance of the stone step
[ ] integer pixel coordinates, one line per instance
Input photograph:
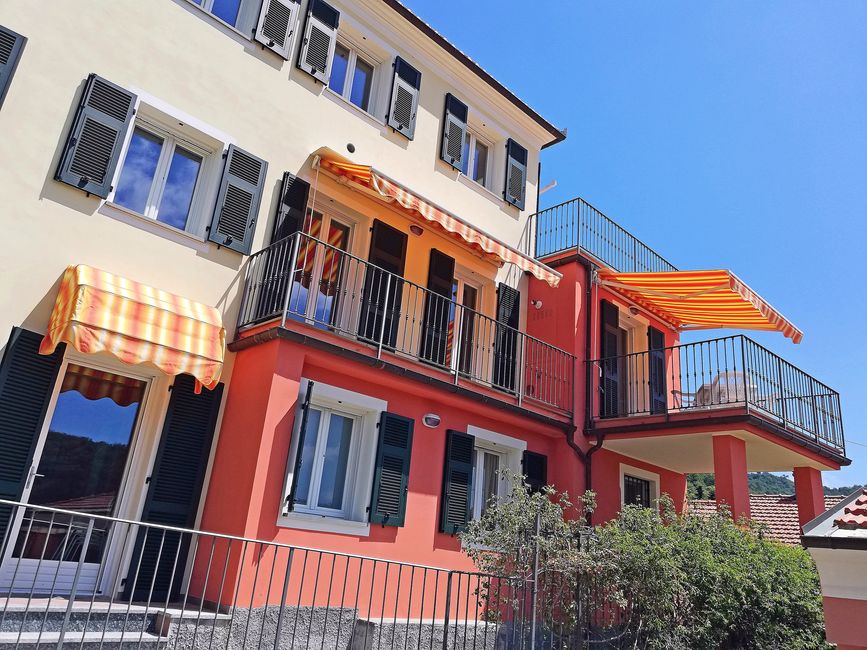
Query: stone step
(84, 640)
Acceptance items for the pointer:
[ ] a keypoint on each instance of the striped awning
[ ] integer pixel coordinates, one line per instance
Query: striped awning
(700, 300)
(393, 192)
(97, 311)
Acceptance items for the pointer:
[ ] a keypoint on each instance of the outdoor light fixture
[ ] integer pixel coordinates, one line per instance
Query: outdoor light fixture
(430, 420)
(415, 229)
(350, 148)
(634, 310)
(536, 303)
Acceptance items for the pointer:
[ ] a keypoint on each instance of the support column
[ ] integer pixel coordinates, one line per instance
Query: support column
(809, 493)
(730, 475)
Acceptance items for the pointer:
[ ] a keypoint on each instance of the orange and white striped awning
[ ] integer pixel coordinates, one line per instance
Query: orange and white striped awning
(97, 311)
(700, 300)
(393, 192)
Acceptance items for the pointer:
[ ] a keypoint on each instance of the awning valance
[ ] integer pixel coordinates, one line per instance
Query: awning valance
(700, 300)
(393, 192)
(96, 311)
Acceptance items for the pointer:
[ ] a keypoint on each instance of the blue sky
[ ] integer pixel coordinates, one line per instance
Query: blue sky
(724, 134)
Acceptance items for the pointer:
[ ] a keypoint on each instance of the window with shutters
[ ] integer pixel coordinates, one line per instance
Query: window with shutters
(240, 15)
(638, 487)
(476, 159)
(335, 468)
(493, 452)
(354, 76)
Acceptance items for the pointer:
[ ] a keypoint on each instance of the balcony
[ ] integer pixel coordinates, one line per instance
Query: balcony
(304, 282)
(714, 380)
(578, 225)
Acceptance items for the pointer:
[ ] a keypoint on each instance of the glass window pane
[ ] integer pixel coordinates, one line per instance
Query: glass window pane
(339, 65)
(308, 457)
(178, 193)
(334, 465)
(330, 280)
(465, 155)
(362, 79)
(139, 168)
(480, 163)
(227, 10)
(491, 484)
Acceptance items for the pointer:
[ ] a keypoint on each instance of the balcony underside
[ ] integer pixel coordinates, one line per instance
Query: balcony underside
(682, 442)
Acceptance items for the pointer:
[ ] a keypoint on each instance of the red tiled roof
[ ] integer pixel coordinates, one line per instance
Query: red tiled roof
(778, 513)
(855, 514)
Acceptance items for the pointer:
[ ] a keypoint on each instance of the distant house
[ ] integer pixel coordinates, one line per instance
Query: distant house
(837, 540)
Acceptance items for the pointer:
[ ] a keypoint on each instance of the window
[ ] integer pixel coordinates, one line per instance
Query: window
(476, 159)
(466, 295)
(638, 486)
(352, 77)
(486, 481)
(236, 13)
(161, 176)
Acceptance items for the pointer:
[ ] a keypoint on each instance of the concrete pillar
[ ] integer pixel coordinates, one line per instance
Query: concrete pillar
(809, 493)
(730, 475)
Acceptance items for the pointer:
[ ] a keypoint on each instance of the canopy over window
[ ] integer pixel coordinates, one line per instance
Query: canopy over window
(700, 300)
(96, 311)
(393, 192)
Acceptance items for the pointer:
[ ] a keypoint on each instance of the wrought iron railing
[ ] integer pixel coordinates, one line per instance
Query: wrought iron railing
(577, 224)
(306, 280)
(169, 587)
(728, 372)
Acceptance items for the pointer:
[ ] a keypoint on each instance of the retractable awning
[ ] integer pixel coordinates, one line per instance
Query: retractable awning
(391, 191)
(97, 311)
(700, 300)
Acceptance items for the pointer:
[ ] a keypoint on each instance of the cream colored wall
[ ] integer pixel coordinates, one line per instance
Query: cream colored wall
(170, 50)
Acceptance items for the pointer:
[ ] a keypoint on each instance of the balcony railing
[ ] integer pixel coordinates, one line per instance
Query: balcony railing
(306, 280)
(577, 224)
(725, 373)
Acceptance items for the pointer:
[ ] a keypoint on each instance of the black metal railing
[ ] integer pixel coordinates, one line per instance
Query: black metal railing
(169, 587)
(728, 372)
(577, 224)
(306, 280)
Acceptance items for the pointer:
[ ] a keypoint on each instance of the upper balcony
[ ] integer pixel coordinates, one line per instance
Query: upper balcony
(302, 283)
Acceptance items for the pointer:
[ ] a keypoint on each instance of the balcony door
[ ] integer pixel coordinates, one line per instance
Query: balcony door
(439, 311)
(382, 294)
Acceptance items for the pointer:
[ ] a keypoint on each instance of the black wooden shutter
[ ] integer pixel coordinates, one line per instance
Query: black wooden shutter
(175, 489)
(27, 379)
(454, 131)
(291, 207)
(11, 46)
(457, 482)
(402, 108)
(92, 148)
(299, 448)
(320, 38)
(388, 253)
(276, 24)
(516, 174)
(391, 472)
(237, 208)
(609, 386)
(656, 370)
(506, 336)
(437, 308)
(535, 469)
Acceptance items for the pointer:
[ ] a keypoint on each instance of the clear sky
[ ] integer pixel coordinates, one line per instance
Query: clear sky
(723, 134)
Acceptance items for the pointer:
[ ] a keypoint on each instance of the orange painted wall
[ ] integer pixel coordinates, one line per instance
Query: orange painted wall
(844, 622)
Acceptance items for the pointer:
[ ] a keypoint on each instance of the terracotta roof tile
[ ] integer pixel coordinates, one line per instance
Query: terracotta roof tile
(778, 513)
(855, 514)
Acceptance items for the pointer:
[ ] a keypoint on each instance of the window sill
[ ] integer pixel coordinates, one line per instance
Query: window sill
(342, 101)
(481, 189)
(153, 226)
(322, 524)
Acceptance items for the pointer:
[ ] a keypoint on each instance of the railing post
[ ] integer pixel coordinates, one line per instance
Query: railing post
(534, 590)
(747, 372)
(456, 341)
(296, 245)
(448, 609)
(521, 370)
(782, 390)
(384, 309)
(71, 603)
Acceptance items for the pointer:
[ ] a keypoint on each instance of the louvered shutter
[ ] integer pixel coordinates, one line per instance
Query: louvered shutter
(320, 38)
(11, 45)
(437, 308)
(237, 208)
(391, 472)
(291, 207)
(506, 336)
(457, 482)
(382, 294)
(656, 370)
(516, 174)
(405, 87)
(535, 469)
(454, 131)
(299, 448)
(609, 386)
(27, 379)
(174, 489)
(95, 140)
(277, 20)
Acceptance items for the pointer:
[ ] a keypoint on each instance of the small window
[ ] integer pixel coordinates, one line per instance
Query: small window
(476, 159)
(235, 13)
(160, 177)
(636, 491)
(486, 480)
(352, 76)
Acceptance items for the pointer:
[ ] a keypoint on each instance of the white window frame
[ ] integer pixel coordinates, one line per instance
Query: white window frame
(475, 137)
(353, 520)
(374, 62)
(509, 449)
(631, 470)
(248, 11)
(466, 277)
